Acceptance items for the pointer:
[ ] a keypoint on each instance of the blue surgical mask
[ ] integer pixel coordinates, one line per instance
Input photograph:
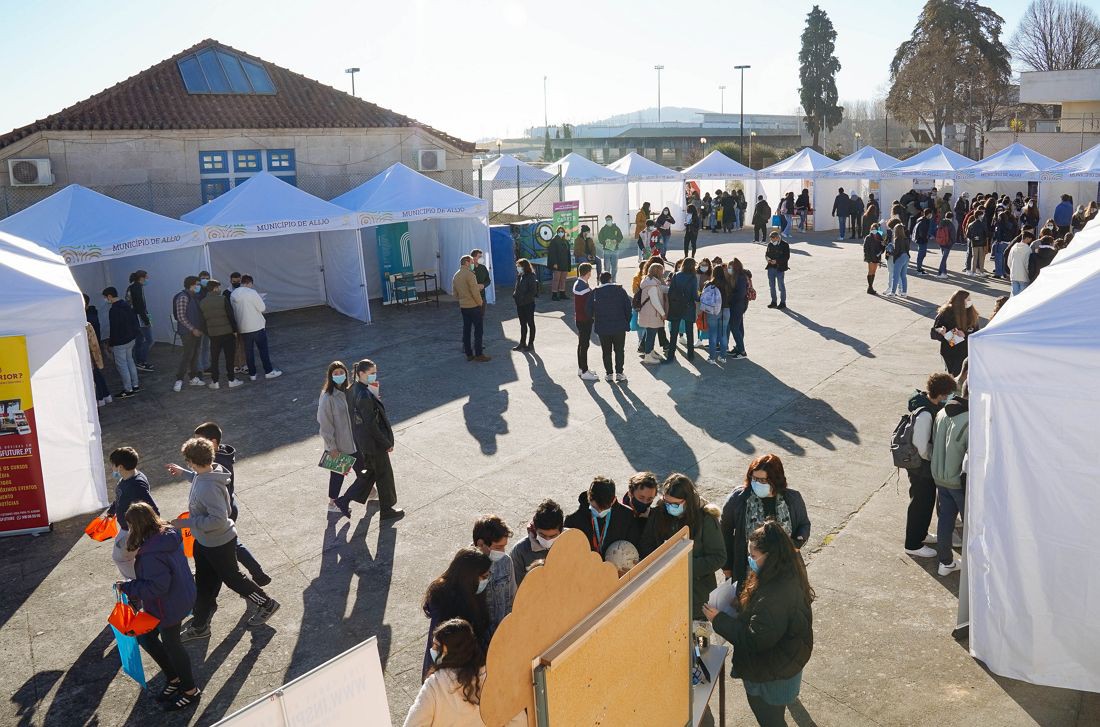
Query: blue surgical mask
(203, 282)
(761, 489)
(196, 288)
(339, 379)
(597, 513)
(434, 653)
(753, 566)
(116, 474)
(371, 378)
(482, 585)
(674, 510)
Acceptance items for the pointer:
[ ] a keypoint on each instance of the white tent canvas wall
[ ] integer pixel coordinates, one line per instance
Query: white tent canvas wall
(937, 166)
(793, 174)
(648, 181)
(599, 190)
(513, 186)
(444, 223)
(103, 240)
(861, 172)
(1032, 495)
(42, 302)
(1005, 173)
(301, 250)
(1078, 176)
(716, 171)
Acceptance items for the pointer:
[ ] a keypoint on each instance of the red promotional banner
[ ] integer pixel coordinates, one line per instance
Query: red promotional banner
(22, 495)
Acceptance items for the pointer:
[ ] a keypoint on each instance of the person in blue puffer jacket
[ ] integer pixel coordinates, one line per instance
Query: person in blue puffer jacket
(164, 588)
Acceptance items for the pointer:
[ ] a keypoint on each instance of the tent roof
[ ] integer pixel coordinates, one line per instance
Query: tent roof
(400, 194)
(1084, 167)
(504, 168)
(266, 205)
(805, 163)
(576, 169)
(717, 165)
(865, 163)
(85, 227)
(1015, 161)
(936, 162)
(637, 168)
(38, 288)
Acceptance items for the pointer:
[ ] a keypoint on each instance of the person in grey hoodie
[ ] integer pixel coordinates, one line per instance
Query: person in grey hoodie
(208, 505)
(950, 443)
(545, 527)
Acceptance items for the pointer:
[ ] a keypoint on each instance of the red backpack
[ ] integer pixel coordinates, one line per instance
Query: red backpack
(943, 236)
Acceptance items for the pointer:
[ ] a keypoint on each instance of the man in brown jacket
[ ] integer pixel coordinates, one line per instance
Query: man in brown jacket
(466, 289)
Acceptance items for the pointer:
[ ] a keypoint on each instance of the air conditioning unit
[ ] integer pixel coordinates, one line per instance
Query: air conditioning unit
(432, 160)
(30, 172)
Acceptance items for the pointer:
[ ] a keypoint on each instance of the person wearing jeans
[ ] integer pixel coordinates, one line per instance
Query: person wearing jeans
(135, 295)
(248, 312)
(611, 310)
(122, 338)
(897, 251)
(949, 454)
(466, 289)
(778, 256)
(185, 309)
(257, 341)
(716, 342)
(683, 294)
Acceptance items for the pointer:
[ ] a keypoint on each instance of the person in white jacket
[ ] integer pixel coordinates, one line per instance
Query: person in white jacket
(451, 695)
(1018, 256)
(248, 309)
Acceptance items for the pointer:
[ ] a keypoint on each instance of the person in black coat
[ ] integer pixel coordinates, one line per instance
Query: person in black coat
(603, 519)
(873, 247)
(778, 256)
(122, 338)
(683, 294)
(842, 207)
(524, 296)
(135, 296)
(611, 310)
(761, 215)
(373, 442)
(955, 321)
(459, 593)
(560, 263)
(772, 634)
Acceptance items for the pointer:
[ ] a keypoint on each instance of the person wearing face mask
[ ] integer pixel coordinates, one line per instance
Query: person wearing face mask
(611, 239)
(544, 529)
(490, 536)
(603, 519)
(465, 287)
(681, 506)
(584, 249)
(955, 321)
(640, 494)
(204, 347)
(524, 296)
(691, 230)
(249, 308)
(873, 247)
(481, 273)
(641, 235)
(131, 486)
(189, 323)
(664, 224)
(559, 262)
(121, 340)
(334, 418)
(772, 634)
(459, 593)
(924, 406)
(950, 451)
(373, 443)
(240, 364)
(135, 296)
(740, 282)
(763, 496)
(611, 310)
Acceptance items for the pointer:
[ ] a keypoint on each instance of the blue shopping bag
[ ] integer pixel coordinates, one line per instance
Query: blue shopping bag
(130, 654)
(634, 321)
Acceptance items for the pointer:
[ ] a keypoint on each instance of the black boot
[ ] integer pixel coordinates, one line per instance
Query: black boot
(871, 285)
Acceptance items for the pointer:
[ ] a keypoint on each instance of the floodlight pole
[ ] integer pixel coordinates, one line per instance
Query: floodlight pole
(658, 68)
(722, 91)
(742, 122)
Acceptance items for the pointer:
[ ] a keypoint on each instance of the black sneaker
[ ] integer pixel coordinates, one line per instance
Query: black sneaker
(135, 390)
(193, 632)
(781, 306)
(392, 513)
(168, 694)
(182, 701)
(264, 612)
(772, 305)
(124, 394)
(144, 367)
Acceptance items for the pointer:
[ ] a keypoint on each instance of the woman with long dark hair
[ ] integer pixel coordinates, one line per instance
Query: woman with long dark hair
(772, 634)
(459, 593)
(718, 324)
(739, 280)
(524, 296)
(166, 590)
(691, 230)
(680, 507)
(764, 495)
(955, 321)
(334, 418)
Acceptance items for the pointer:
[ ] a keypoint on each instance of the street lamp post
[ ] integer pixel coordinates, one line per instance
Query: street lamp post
(658, 68)
(722, 91)
(855, 144)
(742, 123)
(751, 136)
(545, 115)
(499, 142)
(352, 72)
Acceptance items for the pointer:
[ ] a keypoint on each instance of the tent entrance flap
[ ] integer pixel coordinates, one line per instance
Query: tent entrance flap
(286, 268)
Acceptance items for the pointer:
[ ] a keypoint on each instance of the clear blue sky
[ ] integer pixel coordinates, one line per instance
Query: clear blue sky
(473, 68)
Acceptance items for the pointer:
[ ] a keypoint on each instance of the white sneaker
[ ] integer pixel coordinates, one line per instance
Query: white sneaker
(235, 383)
(714, 361)
(110, 399)
(197, 382)
(252, 377)
(100, 402)
(620, 378)
(721, 359)
(275, 373)
(946, 570)
(922, 552)
(215, 385)
(942, 276)
(652, 358)
(902, 295)
(333, 508)
(590, 376)
(178, 386)
(609, 378)
(931, 539)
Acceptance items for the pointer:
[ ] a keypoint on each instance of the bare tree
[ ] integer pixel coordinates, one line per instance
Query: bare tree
(1057, 35)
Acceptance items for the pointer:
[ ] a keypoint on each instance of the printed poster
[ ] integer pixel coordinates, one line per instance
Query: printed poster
(394, 255)
(568, 215)
(22, 495)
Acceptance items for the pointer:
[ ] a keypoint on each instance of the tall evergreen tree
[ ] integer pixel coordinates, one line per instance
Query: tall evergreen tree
(817, 70)
(547, 154)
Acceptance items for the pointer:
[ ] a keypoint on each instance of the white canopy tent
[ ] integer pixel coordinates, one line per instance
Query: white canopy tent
(648, 181)
(600, 190)
(1031, 554)
(861, 171)
(103, 240)
(717, 167)
(42, 302)
(1078, 176)
(444, 223)
(302, 251)
(514, 186)
(1006, 172)
(937, 166)
(793, 174)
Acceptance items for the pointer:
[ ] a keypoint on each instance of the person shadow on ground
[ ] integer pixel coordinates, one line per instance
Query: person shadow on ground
(647, 440)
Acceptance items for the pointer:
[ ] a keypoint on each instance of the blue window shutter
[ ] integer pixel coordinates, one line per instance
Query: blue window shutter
(246, 160)
(213, 162)
(280, 160)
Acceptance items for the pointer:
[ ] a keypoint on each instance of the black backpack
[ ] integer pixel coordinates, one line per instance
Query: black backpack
(636, 301)
(902, 449)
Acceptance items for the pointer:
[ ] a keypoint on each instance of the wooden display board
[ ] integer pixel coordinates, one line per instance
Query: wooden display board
(575, 608)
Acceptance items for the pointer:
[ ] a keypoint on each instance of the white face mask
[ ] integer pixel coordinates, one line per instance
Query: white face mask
(519, 270)
(482, 585)
(495, 555)
(435, 655)
(545, 542)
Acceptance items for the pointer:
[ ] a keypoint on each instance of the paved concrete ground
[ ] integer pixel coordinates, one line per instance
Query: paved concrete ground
(823, 387)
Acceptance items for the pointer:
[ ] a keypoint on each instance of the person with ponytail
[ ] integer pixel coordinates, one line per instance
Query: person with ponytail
(772, 634)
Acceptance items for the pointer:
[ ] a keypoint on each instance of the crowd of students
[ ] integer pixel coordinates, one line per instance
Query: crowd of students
(753, 539)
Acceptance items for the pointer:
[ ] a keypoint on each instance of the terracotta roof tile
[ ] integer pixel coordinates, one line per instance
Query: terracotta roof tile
(157, 99)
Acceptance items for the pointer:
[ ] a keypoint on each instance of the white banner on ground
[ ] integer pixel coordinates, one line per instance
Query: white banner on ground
(347, 689)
